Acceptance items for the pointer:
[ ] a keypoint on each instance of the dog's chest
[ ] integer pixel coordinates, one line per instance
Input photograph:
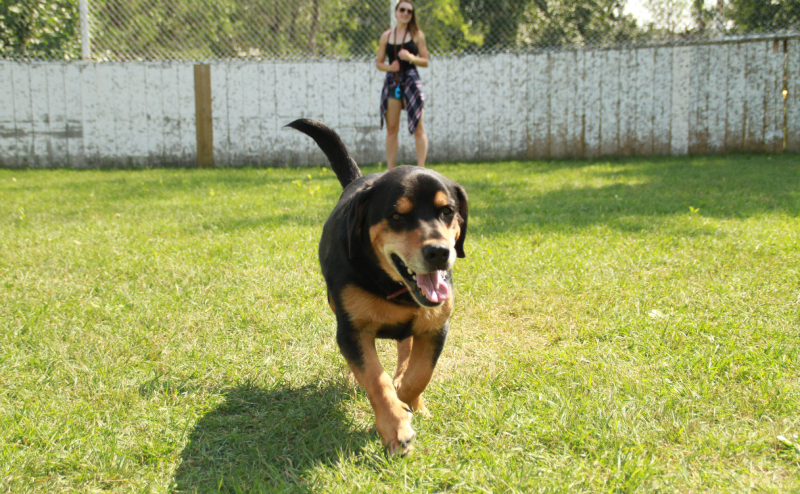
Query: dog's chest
(385, 319)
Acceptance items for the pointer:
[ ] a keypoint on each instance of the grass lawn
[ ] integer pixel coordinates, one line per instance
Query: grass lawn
(627, 325)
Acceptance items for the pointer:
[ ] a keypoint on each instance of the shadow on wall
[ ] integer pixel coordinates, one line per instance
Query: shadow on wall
(267, 440)
(630, 191)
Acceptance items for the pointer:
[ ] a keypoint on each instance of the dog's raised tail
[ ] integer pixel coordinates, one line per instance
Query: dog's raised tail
(343, 165)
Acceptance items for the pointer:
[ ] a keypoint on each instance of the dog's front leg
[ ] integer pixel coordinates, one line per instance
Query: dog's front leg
(403, 358)
(403, 355)
(392, 417)
(416, 360)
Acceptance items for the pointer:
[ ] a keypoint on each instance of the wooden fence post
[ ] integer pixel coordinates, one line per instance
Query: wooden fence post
(204, 123)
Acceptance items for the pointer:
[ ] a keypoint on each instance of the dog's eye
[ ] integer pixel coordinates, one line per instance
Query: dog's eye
(447, 210)
(397, 217)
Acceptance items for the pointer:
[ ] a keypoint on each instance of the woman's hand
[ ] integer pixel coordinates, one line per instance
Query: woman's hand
(404, 55)
(394, 66)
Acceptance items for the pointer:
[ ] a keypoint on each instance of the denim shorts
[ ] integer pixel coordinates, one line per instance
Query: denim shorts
(395, 92)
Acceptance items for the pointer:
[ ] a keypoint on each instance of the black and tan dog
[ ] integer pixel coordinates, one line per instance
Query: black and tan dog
(387, 253)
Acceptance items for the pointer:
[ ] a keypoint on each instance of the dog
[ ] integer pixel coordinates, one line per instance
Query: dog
(387, 253)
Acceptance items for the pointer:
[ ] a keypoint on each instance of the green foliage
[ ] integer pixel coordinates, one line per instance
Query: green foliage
(253, 29)
(515, 24)
(43, 29)
(764, 16)
(445, 27)
(302, 29)
(497, 20)
(573, 23)
(220, 29)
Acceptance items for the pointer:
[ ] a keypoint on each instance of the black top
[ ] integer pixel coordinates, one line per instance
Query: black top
(408, 45)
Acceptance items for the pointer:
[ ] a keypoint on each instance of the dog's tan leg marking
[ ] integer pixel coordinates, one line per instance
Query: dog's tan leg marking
(403, 354)
(416, 374)
(392, 419)
(403, 357)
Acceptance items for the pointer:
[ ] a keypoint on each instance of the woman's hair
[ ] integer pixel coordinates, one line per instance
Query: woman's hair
(412, 24)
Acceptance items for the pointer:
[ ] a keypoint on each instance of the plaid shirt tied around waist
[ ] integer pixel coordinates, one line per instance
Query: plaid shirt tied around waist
(412, 93)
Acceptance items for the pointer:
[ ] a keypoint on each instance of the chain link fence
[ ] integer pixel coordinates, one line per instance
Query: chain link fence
(197, 30)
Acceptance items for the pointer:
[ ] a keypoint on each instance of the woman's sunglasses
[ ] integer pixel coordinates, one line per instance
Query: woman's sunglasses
(404, 10)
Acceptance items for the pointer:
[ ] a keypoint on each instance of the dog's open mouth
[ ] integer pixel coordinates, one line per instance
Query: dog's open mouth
(432, 287)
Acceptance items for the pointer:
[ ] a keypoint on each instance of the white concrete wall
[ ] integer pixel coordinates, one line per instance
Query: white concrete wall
(648, 101)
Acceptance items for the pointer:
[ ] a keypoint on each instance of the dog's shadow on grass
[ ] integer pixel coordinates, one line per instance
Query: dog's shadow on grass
(268, 440)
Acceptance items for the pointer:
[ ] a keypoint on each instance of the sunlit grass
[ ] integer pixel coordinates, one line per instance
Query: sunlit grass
(620, 326)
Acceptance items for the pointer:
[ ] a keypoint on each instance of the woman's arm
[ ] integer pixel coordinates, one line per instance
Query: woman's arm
(381, 62)
(420, 60)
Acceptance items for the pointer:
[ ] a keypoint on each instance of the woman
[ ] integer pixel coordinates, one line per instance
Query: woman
(402, 89)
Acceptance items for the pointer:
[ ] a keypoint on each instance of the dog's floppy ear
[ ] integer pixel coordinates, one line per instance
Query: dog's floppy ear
(355, 218)
(463, 214)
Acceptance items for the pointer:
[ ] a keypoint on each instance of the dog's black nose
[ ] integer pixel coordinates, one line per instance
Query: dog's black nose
(437, 256)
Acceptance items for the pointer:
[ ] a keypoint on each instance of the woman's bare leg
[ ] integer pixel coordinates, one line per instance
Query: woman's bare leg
(421, 142)
(392, 128)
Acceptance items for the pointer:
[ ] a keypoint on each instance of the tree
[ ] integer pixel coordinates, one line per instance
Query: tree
(519, 24)
(754, 16)
(575, 23)
(43, 29)
(446, 30)
(497, 20)
(670, 17)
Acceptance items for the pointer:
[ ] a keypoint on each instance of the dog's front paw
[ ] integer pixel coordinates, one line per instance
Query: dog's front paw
(401, 444)
(398, 436)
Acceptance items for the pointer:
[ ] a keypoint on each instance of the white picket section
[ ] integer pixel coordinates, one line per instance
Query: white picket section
(18, 145)
(755, 57)
(662, 101)
(186, 116)
(138, 133)
(8, 125)
(773, 98)
(698, 100)
(717, 84)
(609, 106)
(734, 134)
(793, 96)
(707, 98)
(627, 103)
(575, 105)
(540, 123)
(89, 124)
(645, 89)
(267, 108)
(219, 113)
(592, 102)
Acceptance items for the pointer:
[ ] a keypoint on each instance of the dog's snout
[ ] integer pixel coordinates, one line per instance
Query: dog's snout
(436, 255)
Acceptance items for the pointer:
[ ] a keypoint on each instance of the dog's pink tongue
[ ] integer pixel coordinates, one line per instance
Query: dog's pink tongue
(434, 286)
